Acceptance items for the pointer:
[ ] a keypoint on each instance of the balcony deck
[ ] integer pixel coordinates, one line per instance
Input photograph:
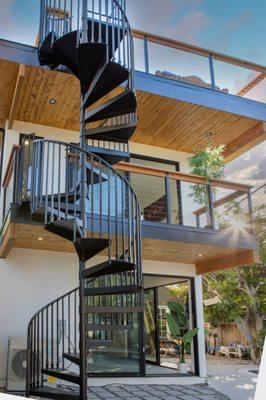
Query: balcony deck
(191, 110)
(175, 228)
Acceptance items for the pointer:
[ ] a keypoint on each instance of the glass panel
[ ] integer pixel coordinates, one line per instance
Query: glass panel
(194, 199)
(150, 325)
(152, 196)
(115, 349)
(231, 78)
(179, 293)
(139, 54)
(119, 351)
(257, 91)
(179, 65)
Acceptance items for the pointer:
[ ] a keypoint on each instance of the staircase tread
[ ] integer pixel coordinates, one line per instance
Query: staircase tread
(46, 390)
(122, 104)
(112, 309)
(113, 290)
(123, 131)
(60, 371)
(109, 77)
(108, 327)
(107, 268)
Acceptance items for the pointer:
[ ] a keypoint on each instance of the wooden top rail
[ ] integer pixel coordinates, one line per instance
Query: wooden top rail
(10, 166)
(181, 176)
(176, 44)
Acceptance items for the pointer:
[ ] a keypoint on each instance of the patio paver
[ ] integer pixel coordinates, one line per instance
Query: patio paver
(154, 392)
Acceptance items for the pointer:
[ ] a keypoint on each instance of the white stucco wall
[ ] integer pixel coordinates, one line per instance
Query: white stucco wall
(30, 279)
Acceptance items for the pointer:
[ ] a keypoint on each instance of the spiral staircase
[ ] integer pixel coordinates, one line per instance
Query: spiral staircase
(79, 196)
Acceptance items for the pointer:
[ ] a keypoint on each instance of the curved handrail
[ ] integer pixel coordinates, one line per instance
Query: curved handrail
(95, 156)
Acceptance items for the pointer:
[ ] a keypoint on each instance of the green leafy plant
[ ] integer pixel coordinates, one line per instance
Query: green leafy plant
(177, 321)
(209, 163)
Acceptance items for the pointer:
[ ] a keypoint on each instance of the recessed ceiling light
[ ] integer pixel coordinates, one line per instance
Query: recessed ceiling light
(200, 255)
(52, 101)
(40, 238)
(208, 134)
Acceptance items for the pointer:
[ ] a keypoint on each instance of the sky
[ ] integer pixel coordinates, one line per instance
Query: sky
(234, 27)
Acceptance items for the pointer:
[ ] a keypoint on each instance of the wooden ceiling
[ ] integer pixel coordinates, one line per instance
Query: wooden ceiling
(163, 122)
(213, 257)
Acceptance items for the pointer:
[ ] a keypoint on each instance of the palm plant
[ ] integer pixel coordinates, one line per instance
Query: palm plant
(177, 321)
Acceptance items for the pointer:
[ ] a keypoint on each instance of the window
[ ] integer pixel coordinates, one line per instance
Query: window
(151, 190)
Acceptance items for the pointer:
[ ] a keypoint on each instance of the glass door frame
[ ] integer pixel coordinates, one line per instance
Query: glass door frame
(156, 320)
(192, 293)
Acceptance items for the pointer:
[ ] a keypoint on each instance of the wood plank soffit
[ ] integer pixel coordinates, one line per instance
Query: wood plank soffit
(16, 95)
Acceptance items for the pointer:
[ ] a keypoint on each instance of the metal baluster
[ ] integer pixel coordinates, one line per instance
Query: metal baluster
(68, 160)
(38, 350)
(52, 182)
(100, 22)
(93, 23)
(57, 335)
(113, 35)
(75, 322)
(42, 344)
(63, 332)
(101, 198)
(92, 195)
(47, 340)
(109, 213)
(116, 218)
(68, 317)
(46, 184)
(107, 29)
(129, 224)
(52, 335)
(119, 36)
(123, 218)
(59, 182)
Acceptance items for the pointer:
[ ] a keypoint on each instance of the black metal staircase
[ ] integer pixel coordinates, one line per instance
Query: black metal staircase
(82, 198)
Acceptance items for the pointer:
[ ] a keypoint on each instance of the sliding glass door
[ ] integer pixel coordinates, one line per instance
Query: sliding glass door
(150, 324)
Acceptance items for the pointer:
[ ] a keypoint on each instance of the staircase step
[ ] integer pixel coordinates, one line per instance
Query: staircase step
(90, 247)
(113, 133)
(107, 327)
(111, 310)
(47, 55)
(63, 228)
(110, 156)
(47, 392)
(65, 49)
(65, 375)
(73, 357)
(122, 104)
(129, 289)
(108, 268)
(91, 56)
(110, 76)
(94, 343)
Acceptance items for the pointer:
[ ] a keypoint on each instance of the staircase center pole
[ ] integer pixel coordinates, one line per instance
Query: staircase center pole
(82, 266)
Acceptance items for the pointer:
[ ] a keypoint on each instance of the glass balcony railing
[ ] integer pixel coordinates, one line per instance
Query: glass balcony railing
(179, 61)
(176, 198)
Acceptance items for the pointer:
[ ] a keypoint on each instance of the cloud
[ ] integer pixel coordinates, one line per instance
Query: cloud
(250, 168)
(230, 26)
(191, 25)
(161, 17)
(6, 13)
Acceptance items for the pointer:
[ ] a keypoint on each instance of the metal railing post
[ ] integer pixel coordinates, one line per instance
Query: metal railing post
(168, 199)
(211, 208)
(250, 211)
(212, 74)
(146, 55)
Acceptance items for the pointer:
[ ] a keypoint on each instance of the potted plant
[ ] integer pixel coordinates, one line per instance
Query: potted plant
(177, 320)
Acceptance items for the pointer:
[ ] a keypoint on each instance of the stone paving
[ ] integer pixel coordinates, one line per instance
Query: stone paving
(155, 392)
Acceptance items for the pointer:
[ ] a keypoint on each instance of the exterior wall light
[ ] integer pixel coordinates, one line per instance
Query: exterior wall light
(52, 101)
